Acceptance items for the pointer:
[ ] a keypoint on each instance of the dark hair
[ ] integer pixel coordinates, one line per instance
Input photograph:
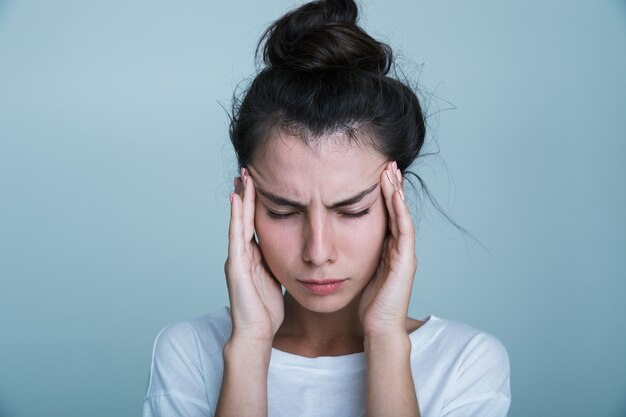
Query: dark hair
(324, 74)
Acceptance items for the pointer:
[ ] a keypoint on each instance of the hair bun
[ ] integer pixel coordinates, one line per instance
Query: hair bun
(323, 35)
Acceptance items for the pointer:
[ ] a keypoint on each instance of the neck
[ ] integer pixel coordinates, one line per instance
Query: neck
(309, 333)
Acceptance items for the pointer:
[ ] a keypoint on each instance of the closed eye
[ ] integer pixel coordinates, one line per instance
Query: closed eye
(356, 215)
(282, 216)
(278, 216)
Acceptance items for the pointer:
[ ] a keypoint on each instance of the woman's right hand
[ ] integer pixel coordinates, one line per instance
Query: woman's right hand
(256, 299)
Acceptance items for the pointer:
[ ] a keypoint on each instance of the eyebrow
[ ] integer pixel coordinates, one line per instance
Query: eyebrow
(282, 201)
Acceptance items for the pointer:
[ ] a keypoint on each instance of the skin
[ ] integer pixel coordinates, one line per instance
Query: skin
(335, 210)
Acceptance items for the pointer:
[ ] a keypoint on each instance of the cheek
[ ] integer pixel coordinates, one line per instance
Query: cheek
(367, 235)
(265, 229)
(372, 233)
(275, 240)
(377, 226)
(373, 244)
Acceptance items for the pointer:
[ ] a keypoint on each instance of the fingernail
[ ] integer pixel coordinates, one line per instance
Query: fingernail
(395, 165)
(388, 176)
(244, 176)
(231, 198)
(399, 175)
(401, 194)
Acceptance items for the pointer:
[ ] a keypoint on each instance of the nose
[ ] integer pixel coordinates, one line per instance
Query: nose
(319, 241)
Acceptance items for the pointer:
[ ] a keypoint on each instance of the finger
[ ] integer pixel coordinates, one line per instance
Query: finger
(388, 188)
(385, 253)
(235, 227)
(406, 230)
(400, 183)
(260, 261)
(237, 265)
(238, 186)
(249, 194)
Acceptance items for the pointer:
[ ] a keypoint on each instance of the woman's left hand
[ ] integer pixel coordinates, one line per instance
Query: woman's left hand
(384, 303)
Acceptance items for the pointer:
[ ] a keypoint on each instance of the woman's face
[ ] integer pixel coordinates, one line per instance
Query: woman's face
(320, 216)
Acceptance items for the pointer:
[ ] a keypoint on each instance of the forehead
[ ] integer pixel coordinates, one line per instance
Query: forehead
(329, 164)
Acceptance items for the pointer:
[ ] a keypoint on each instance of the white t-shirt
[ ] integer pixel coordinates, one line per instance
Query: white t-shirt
(458, 371)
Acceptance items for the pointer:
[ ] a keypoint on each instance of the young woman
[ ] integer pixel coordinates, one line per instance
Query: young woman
(324, 138)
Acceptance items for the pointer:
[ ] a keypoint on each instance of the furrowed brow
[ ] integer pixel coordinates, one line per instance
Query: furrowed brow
(355, 199)
(282, 201)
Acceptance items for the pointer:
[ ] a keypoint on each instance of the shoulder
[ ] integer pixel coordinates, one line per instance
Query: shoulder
(186, 366)
(190, 347)
(470, 347)
(472, 365)
(206, 330)
(454, 335)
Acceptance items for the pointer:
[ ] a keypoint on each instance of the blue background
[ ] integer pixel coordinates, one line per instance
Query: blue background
(115, 168)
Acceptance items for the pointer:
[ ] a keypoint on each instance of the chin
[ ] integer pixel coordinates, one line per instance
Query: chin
(323, 304)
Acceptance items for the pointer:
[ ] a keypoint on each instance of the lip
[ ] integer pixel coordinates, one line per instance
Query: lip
(322, 287)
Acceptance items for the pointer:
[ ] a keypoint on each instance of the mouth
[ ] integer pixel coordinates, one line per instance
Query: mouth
(322, 287)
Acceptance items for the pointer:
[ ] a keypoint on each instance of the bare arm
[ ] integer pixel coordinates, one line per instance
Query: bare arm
(257, 311)
(383, 310)
(244, 384)
(389, 385)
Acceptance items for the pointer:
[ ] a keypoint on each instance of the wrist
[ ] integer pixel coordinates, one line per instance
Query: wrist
(243, 337)
(253, 350)
(393, 329)
(389, 341)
